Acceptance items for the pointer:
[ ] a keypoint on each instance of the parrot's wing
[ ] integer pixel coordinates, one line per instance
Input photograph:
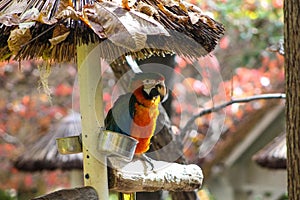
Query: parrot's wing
(120, 116)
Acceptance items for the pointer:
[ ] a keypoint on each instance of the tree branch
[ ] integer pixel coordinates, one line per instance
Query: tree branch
(233, 101)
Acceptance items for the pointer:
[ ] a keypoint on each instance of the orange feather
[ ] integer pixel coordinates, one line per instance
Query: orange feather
(144, 121)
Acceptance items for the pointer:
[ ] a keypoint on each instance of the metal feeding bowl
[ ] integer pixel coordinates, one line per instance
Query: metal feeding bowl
(112, 143)
(69, 145)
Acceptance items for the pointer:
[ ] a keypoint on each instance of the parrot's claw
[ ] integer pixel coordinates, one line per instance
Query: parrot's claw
(145, 158)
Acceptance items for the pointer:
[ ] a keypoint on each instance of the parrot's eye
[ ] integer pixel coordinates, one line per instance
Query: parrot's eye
(148, 81)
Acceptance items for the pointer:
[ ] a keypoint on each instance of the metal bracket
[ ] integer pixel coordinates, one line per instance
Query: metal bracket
(69, 145)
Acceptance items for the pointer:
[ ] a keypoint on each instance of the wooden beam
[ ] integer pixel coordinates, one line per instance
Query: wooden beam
(225, 148)
(254, 133)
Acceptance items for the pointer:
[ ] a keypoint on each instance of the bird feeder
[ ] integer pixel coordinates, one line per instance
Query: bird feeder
(82, 32)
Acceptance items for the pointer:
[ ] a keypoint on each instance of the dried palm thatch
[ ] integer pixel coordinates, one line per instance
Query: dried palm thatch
(274, 155)
(43, 155)
(52, 29)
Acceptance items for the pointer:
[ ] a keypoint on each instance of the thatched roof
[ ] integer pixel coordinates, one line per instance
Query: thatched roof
(273, 155)
(43, 155)
(52, 29)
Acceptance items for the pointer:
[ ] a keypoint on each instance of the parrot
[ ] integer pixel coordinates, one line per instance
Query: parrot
(135, 113)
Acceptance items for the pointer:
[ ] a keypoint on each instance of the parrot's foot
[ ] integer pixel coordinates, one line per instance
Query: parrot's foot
(145, 160)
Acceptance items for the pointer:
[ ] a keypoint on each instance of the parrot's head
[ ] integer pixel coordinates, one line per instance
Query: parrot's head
(152, 84)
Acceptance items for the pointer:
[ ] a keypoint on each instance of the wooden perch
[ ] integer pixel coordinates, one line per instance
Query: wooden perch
(83, 193)
(137, 176)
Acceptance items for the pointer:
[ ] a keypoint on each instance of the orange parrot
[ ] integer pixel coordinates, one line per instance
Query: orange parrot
(135, 113)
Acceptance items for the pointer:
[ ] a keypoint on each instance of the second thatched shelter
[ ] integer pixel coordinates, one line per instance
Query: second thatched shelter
(43, 155)
(273, 156)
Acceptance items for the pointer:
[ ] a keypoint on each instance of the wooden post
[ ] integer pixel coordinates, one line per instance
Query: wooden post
(91, 109)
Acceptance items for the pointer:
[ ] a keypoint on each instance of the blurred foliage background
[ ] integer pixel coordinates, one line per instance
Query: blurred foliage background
(251, 27)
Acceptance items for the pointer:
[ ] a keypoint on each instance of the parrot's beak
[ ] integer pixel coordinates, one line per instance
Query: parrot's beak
(163, 92)
(154, 89)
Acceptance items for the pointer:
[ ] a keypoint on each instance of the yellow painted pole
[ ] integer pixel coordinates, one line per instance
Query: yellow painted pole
(125, 196)
(91, 109)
